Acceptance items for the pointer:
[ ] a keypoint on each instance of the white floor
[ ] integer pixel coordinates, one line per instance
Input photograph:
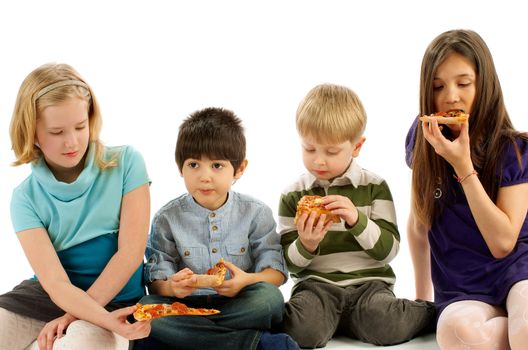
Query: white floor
(422, 343)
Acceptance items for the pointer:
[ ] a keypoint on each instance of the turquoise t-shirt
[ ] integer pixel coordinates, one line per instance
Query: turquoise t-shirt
(82, 218)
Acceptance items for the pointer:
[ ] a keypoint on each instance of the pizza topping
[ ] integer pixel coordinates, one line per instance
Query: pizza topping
(308, 204)
(152, 311)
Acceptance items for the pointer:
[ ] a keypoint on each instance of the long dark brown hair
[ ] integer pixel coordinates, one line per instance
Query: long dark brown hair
(490, 127)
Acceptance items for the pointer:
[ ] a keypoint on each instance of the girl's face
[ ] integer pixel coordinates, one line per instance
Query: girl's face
(63, 135)
(454, 85)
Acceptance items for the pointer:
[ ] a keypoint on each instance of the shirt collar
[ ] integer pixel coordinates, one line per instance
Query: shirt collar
(351, 176)
(197, 208)
(62, 190)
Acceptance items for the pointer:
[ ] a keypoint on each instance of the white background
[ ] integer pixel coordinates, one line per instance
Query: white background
(152, 63)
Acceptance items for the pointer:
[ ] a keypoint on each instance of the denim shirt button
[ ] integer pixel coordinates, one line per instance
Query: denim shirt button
(212, 215)
(186, 253)
(214, 228)
(214, 250)
(242, 250)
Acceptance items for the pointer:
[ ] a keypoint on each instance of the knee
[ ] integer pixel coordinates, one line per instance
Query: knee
(305, 337)
(82, 335)
(267, 301)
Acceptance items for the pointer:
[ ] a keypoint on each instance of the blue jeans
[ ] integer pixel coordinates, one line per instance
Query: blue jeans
(239, 324)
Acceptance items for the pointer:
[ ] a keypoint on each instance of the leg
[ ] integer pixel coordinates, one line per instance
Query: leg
(376, 316)
(83, 335)
(472, 324)
(17, 332)
(517, 306)
(313, 312)
(193, 332)
(258, 306)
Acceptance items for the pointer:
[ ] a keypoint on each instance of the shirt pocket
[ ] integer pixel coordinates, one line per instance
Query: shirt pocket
(238, 254)
(194, 257)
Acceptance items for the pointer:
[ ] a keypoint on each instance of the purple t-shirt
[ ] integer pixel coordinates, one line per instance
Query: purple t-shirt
(462, 266)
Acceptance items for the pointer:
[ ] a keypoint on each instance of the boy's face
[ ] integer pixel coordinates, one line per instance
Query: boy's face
(209, 181)
(327, 161)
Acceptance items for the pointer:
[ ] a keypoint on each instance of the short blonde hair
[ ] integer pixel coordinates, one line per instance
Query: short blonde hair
(34, 96)
(331, 114)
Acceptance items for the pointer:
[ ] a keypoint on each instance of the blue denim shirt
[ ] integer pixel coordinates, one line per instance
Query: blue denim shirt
(185, 234)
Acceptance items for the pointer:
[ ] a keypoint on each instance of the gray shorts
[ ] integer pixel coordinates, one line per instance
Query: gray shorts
(31, 300)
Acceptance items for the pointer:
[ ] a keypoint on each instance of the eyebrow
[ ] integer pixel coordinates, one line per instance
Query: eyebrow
(62, 127)
(464, 75)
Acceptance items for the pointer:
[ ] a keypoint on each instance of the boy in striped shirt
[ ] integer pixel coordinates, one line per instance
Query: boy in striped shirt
(343, 280)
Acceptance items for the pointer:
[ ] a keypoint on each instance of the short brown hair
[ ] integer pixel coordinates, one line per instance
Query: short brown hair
(216, 133)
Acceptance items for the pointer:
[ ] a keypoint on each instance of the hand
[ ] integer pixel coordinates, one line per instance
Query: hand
(239, 279)
(54, 330)
(118, 323)
(181, 283)
(456, 152)
(309, 234)
(342, 206)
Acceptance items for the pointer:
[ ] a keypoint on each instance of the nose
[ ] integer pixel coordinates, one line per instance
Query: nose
(205, 174)
(452, 95)
(70, 140)
(319, 160)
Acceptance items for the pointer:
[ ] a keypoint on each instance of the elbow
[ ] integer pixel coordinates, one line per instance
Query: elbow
(503, 250)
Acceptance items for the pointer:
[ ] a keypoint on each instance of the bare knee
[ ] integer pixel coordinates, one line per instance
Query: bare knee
(83, 335)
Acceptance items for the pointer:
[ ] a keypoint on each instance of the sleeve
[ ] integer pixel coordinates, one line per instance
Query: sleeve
(378, 233)
(409, 143)
(23, 214)
(135, 172)
(265, 242)
(162, 256)
(515, 163)
(297, 257)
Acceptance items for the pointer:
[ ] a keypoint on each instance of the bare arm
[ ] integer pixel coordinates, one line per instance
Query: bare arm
(46, 264)
(499, 223)
(133, 231)
(419, 248)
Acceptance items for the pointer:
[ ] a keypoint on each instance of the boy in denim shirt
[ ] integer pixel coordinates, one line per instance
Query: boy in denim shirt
(194, 231)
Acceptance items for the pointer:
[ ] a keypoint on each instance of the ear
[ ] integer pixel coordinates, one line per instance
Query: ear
(241, 169)
(357, 146)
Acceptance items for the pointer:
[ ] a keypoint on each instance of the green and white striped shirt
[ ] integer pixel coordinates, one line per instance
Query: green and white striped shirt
(347, 255)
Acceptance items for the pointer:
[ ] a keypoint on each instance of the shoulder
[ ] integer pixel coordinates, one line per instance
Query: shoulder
(22, 190)
(303, 183)
(176, 204)
(125, 153)
(245, 200)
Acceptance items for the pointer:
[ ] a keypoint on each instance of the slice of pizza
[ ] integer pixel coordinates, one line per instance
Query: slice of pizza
(309, 204)
(151, 311)
(215, 276)
(452, 116)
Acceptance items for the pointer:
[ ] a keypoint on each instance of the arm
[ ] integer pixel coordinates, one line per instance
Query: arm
(241, 279)
(419, 248)
(133, 230)
(499, 223)
(47, 266)
(297, 256)
(376, 233)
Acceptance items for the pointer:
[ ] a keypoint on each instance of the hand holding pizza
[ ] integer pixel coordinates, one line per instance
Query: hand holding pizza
(456, 152)
(312, 229)
(117, 322)
(182, 283)
(239, 279)
(343, 207)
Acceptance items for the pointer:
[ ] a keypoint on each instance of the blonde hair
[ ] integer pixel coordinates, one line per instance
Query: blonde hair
(49, 85)
(331, 114)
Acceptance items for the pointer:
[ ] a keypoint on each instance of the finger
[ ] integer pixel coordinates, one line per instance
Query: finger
(123, 312)
(464, 132)
(310, 222)
(49, 341)
(301, 222)
(320, 222)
